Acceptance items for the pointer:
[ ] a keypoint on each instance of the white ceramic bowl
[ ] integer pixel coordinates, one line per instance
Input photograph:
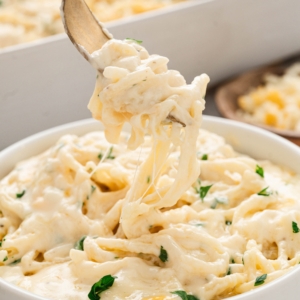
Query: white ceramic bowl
(246, 139)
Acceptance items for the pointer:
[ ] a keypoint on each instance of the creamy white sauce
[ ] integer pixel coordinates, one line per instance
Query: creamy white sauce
(135, 194)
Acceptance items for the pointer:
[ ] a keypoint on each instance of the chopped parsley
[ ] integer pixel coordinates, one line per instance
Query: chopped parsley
(214, 204)
(260, 280)
(264, 192)
(204, 157)
(17, 261)
(20, 195)
(1, 242)
(232, 261)
(80, 244)
(229, 271)
(199, 224)
(203, 191)
(295, 227)
(5, 258)
(137, 41)
(184, 296)
(148, 179)
(163, 256)
(93, 188)
(218, 200)
(109, 155)
(102, 285)
(260, 171)
(228, 223)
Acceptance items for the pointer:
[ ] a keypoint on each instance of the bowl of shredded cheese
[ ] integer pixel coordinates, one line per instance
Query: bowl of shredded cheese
(267, 97)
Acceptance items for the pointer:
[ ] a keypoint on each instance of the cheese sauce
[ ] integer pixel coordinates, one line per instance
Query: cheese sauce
(168, 208)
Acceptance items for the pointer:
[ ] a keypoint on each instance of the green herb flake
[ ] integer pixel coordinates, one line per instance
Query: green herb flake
(137, 41)
(229, 271)
(93, 188)
(218, 200)
(184, 296)
(228, 223)
(295, 227)
(16, 262)
(214, 204)
(243, 260)
(204, 157)
(203, 191)
(80, 244)
(163, 256)
(199, 224)
(232, 261)
(20, 195)
(148, 179)
(102, 285)
(110, 156)
(1, 242)
(264, 192)
(260, 280)
(260, 171)
(5, 258)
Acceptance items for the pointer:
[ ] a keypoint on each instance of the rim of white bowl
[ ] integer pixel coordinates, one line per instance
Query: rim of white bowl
(83, 126)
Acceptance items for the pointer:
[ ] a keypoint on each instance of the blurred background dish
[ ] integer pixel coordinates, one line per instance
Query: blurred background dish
(46, 83)
(231, 97)
(28, 20)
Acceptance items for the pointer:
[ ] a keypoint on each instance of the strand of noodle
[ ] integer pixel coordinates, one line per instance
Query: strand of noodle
(102, 159)
(135, 174)
(155, 177)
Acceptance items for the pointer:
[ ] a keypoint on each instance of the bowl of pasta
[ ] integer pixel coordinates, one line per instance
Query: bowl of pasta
(234, 233)
(267, 97)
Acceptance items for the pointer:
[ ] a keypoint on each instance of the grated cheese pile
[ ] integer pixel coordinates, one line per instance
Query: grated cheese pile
(277, 103)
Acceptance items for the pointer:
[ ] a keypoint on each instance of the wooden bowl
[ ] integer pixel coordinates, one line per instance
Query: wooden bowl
(227, 94)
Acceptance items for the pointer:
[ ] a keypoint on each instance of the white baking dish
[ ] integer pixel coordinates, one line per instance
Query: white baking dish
(47, 83)
(247, 139)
